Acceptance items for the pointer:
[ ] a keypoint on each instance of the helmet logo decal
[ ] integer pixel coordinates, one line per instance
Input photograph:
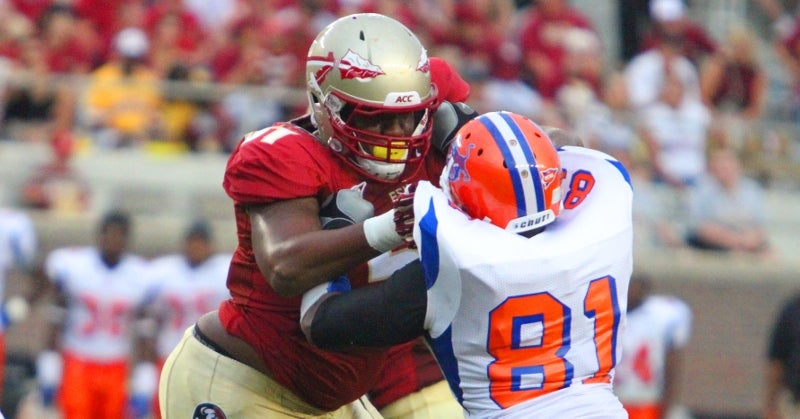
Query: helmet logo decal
(458, 164)
(549, 176)
(326, 65)
(424, 64)
(354, 66)
(208, 411)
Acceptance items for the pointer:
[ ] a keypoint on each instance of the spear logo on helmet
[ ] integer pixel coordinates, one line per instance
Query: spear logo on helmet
(354, 66)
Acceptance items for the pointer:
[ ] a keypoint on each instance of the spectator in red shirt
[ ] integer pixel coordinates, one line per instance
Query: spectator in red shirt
(32, 9)
(542, 41)
(242, 41)
(184, 29)
(734, 87)
(104, 16)
(788, 52)
(286, 39)
(484, 32)
(669, 20)
(41, 106)
(63, 51)
(56, 185)
(15, 29)
(583, 69)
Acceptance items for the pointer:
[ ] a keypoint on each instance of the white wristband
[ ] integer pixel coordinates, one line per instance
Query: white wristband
(49, 368)
(380, 232)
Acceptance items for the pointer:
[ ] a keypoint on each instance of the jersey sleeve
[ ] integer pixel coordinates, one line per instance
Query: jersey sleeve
(276, 163)
(595, 186)
(442, 276)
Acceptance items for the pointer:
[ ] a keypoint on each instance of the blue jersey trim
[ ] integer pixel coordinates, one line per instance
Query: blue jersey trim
(442, 348)
(429, 254)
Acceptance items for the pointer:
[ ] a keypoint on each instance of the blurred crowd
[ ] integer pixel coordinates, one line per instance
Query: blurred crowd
(192, 75)
(683, 110)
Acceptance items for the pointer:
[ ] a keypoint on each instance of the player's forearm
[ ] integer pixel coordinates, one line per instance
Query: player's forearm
(384, 314)
(307, 261)
(294, 254)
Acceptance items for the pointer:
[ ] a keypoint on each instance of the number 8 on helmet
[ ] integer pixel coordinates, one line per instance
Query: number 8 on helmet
(503, 168)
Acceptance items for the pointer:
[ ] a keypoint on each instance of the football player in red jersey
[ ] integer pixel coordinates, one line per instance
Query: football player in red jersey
(368, 132)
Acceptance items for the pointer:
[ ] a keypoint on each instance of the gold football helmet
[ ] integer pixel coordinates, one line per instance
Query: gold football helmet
(371, 97)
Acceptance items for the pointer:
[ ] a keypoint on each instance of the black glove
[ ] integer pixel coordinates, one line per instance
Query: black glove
(447, 120)
(343, 208)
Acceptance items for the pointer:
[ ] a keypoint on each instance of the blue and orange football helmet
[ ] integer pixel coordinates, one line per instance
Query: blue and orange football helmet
(503, 168)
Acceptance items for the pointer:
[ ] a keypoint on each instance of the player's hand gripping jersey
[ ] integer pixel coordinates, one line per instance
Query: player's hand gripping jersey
(278, 163)
(541, 316)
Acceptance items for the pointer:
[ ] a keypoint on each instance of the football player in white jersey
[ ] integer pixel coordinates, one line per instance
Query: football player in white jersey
(658, 330)
(18, 246)
(101, 289)
(521, 289)
(190, 284)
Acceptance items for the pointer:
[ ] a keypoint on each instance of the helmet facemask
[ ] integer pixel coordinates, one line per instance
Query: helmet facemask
(361, 131)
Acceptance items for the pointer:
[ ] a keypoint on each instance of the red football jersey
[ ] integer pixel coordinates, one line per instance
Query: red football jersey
(279, 163)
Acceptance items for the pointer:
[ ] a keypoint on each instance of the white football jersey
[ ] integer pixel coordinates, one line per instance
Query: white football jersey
(18, 244)
(185, 293)
(528, 327)
(101, 301)
(658, 324)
